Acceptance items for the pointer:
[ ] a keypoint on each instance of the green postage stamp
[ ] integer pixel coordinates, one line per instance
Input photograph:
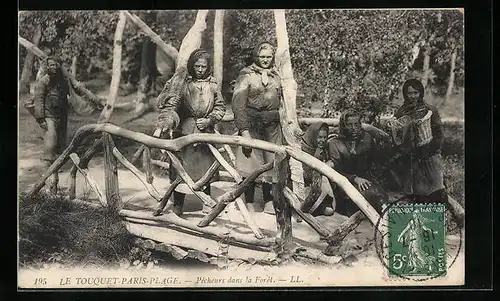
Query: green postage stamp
(417, 240)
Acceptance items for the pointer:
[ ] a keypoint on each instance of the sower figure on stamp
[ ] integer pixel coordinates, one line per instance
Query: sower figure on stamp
(418, 136)
(50, 101)
(198, 109)
(256, 100)
(353, 153)
(314, 143)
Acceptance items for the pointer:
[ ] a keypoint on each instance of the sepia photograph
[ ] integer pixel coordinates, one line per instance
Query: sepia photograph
(241, 148)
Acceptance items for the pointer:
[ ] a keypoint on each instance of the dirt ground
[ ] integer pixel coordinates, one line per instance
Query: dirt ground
(359, 242)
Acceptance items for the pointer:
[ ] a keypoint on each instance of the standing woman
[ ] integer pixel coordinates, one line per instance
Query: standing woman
(198, 109)
(256, 100)
(420, 167)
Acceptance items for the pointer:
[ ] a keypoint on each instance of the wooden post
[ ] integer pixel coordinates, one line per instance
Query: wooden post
(288, 111)
(283, 210)
(111, 174)
(92, 183)
(146, 164)
(84, 161)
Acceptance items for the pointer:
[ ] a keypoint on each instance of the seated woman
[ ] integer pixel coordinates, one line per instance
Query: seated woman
(352, 154)
(197, 110)
(314, 143)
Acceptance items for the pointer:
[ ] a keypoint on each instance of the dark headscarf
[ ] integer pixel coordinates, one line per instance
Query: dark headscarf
(197, 54)
(343, 119)
(310, 137)
(258, 48)
(408, 107)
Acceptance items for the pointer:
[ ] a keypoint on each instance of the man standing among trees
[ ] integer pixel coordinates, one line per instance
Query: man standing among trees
(51, 112)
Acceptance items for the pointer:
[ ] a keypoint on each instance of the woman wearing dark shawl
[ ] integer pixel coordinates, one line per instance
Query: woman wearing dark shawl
(256, 100)
(199, 108)
(420, 167)
(314, 143)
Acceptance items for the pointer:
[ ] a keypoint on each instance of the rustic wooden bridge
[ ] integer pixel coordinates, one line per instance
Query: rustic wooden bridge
(250, 234)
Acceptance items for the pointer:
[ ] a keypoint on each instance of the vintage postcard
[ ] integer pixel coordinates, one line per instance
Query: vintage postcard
(241, 148)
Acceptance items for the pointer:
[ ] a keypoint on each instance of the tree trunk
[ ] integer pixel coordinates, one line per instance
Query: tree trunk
(115, 79)
(74, 61)
(288, 112)
(218, 46)
(452, 75)
(425, 69)
(28, 64)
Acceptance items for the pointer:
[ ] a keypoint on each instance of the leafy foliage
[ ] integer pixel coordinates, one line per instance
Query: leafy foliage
(342, 58)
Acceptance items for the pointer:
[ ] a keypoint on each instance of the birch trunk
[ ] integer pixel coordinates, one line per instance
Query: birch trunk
(452, 75)
(74, 61)
(115, 79)
(288, 111)
(218, 46)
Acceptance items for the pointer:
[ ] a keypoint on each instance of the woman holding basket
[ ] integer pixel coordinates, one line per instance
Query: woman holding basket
(418, 134)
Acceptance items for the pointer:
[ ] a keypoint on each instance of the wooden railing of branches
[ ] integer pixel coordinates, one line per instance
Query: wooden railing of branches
(285, 200)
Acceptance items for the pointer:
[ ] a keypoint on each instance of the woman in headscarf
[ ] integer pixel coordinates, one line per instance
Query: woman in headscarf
(314, 143)
(256, 100)
(420, 167)
(352, 154)
(198, 109)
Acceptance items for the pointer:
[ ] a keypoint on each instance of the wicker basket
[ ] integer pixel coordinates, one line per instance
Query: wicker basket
(399, 128)
(423, 130)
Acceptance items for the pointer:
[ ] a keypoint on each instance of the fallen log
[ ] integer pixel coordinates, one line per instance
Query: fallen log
(173, 219)
(92, 183)
(149, 187)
